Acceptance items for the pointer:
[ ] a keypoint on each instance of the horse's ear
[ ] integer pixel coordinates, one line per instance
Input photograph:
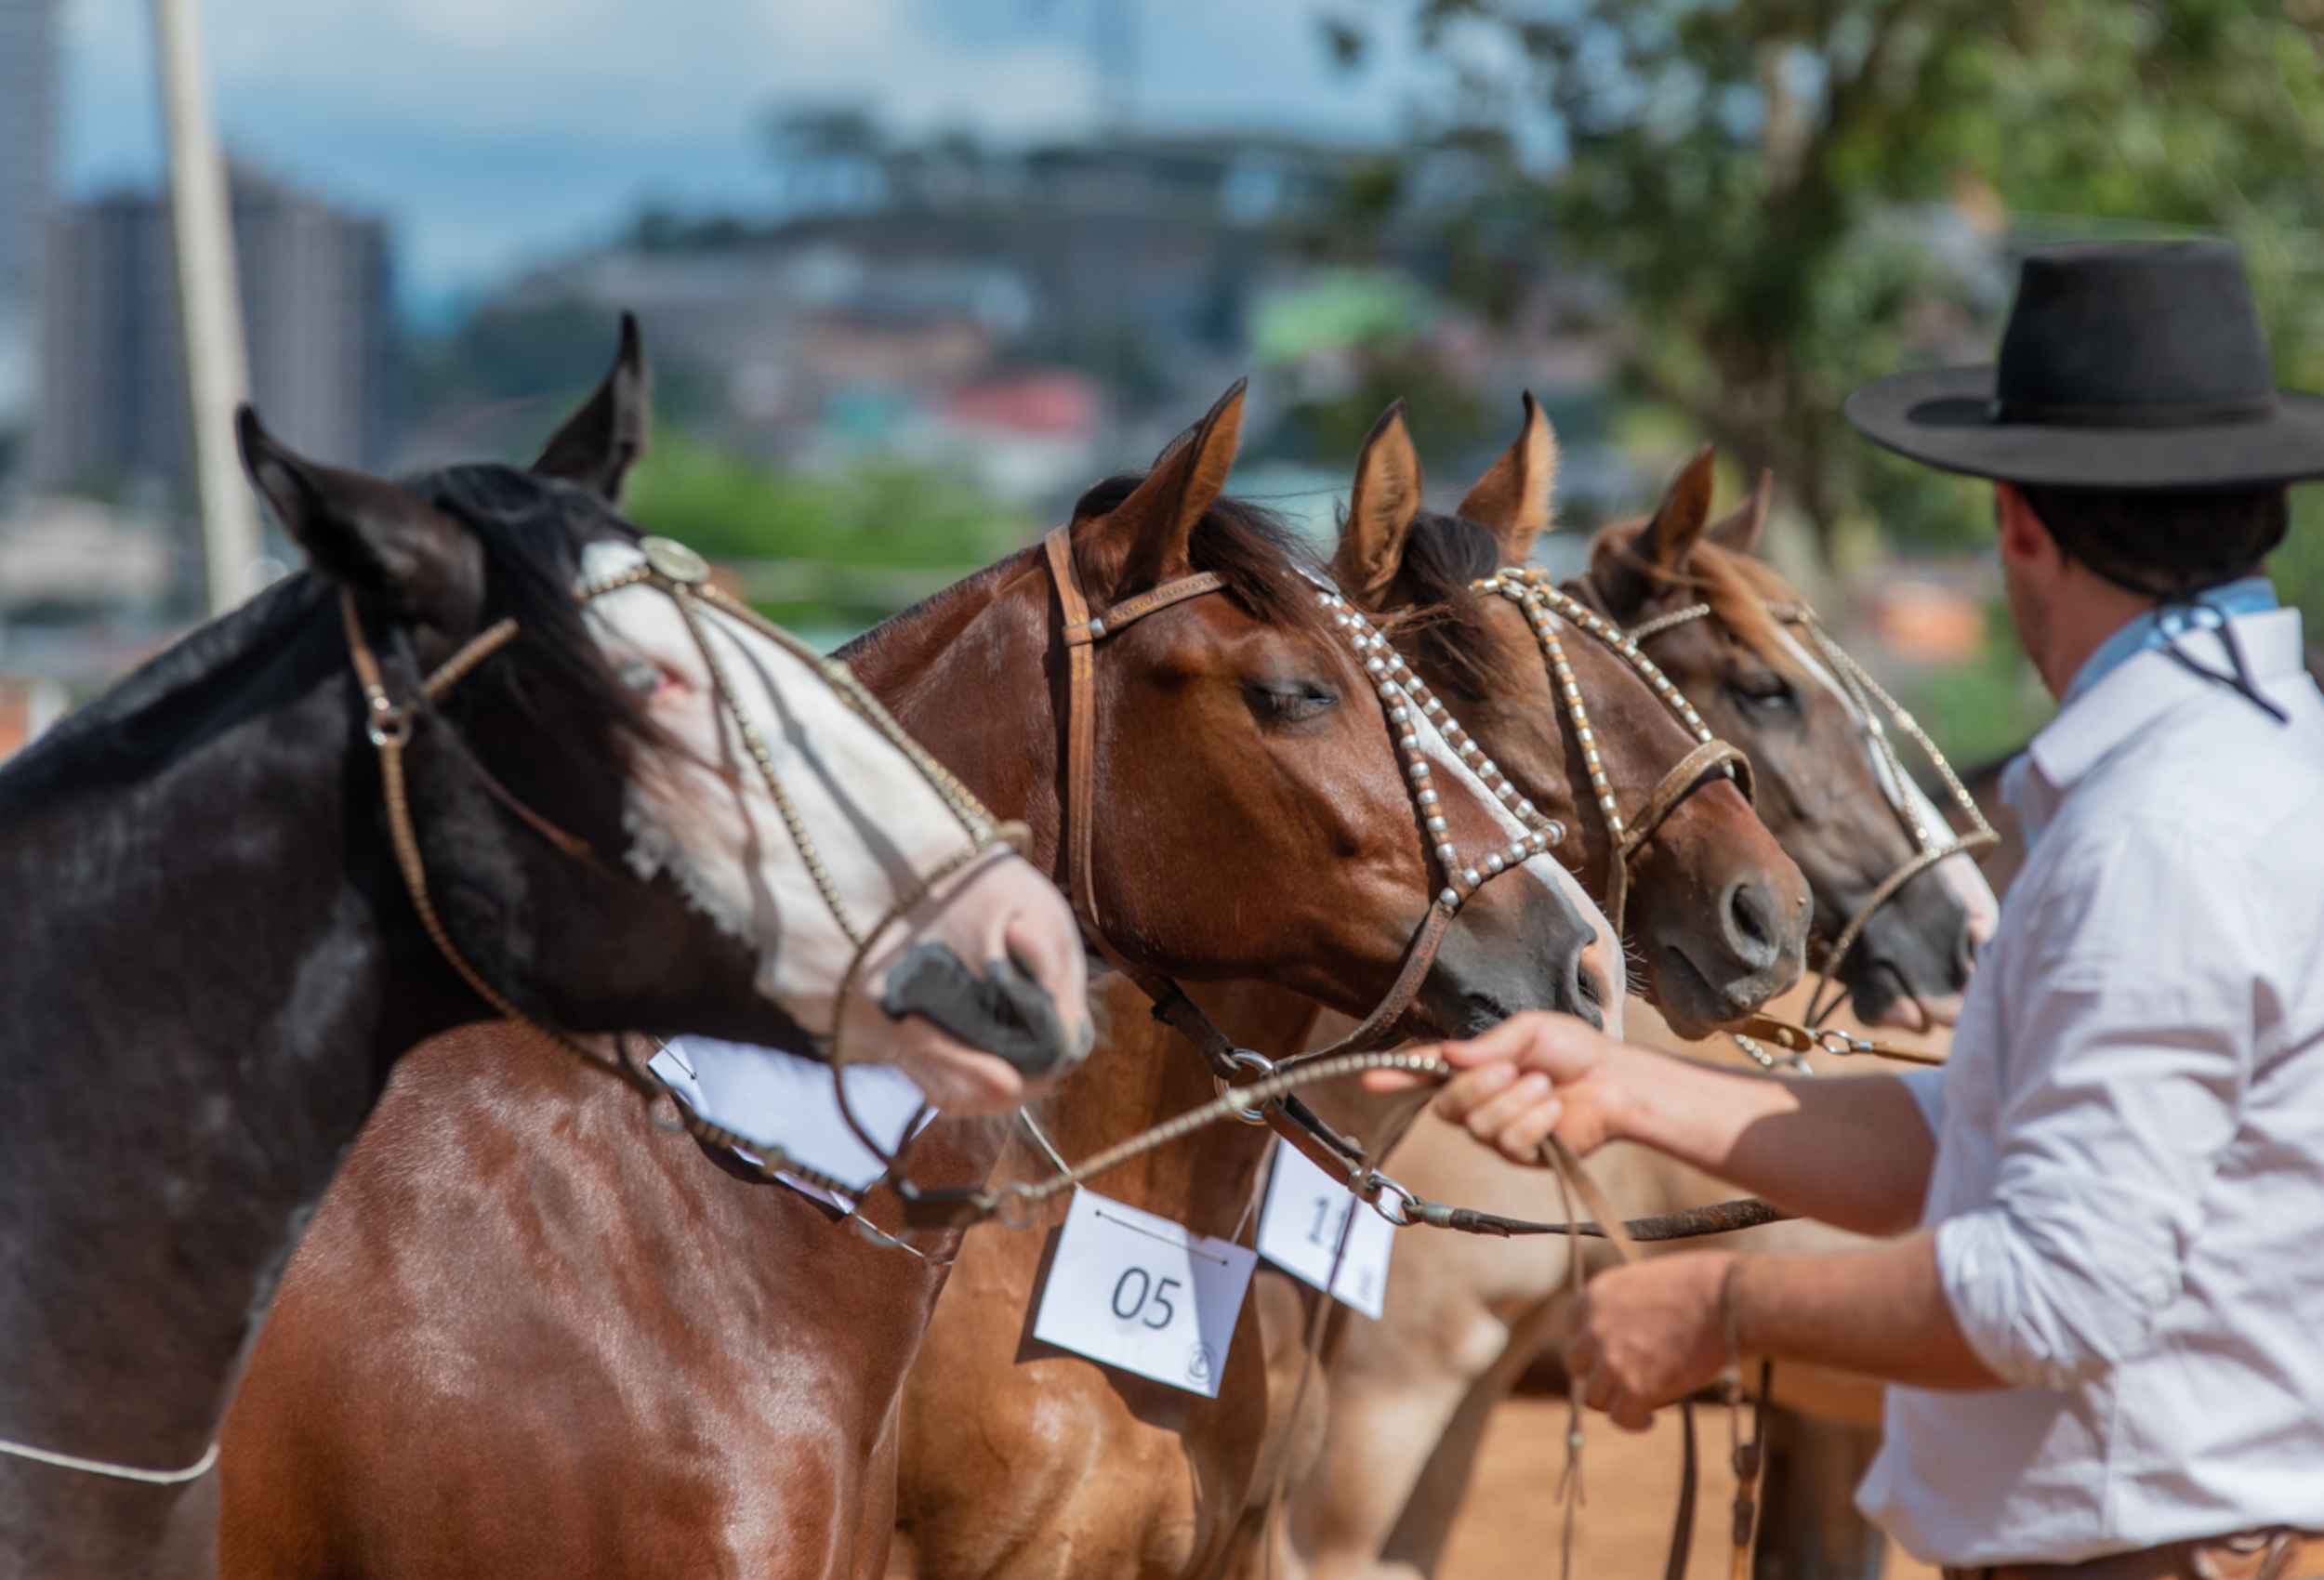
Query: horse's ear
(1658, 555)
(369, 535)
(598, 443)
(1380, 513)
(1737, 531)
(1151, 529)
(1512, 500)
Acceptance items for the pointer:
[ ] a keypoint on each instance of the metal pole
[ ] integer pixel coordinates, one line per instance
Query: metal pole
(210, 302)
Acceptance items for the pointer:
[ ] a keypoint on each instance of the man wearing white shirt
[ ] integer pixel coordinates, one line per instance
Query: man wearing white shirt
(2103, 1316)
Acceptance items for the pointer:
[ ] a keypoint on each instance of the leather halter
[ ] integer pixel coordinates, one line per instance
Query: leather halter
(1401, 691)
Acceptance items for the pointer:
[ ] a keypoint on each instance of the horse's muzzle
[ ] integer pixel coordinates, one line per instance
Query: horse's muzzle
(1006, 1012)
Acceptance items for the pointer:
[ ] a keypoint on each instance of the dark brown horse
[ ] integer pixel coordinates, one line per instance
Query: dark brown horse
(218, 941)
(533, 1335)
(1023, 1461)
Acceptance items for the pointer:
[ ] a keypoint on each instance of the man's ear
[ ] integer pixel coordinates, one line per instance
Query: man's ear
(369, 535)
(1737, 531)
(1658, 555)
(1512, 500)
(1146, 534)
(1380, 513)
(601, 442)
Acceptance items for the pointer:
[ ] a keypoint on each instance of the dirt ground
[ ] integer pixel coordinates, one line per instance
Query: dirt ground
(1510, 1526)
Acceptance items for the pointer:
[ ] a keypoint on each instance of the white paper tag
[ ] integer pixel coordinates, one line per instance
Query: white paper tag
(787, 1101)
(1299, 1231)
(1143, 1294)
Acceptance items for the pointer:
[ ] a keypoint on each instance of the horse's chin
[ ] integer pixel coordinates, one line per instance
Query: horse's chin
(964, 1082)
(1918, 1013)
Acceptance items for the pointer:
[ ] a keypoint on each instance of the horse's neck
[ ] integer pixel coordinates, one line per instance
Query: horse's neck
(200, 1011)
(967, 674)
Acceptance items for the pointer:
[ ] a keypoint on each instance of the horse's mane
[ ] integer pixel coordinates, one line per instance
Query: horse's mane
(530, 528)
(1443, 556)
(1738, 587)
(1259, 557)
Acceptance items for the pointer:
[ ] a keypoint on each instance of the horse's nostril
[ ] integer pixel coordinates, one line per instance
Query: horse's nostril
(1006, 1012)
(1753, 930)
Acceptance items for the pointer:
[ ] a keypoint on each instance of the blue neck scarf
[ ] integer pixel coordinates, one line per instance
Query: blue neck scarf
(2156, 630)
(2160, 627)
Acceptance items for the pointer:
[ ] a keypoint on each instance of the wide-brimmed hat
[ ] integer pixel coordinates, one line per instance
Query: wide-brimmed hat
(2134, 365)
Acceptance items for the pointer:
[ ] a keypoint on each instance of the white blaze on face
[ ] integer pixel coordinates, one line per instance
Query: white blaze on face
(703, 815)
(1452, 775)
(1958, 872)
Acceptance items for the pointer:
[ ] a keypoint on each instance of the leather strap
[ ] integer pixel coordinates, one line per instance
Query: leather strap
(1081, 633)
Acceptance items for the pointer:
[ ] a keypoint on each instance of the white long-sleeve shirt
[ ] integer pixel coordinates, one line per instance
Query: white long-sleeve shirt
(2129, 1187)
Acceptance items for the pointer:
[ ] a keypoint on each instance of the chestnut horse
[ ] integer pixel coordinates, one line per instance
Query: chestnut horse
(1410, 1395)
(1022, 1460)
(530, 1334)
(251, 875)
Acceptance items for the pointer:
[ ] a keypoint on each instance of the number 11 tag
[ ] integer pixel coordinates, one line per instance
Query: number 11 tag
(1143, 1294)
(1299, 1230)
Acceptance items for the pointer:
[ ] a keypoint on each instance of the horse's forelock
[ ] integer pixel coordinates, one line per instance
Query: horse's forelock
(1444, 555)
(533, 530)
(1738, 588)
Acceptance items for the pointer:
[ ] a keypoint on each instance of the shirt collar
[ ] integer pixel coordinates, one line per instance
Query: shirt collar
(2140, 687)
(2142, 633)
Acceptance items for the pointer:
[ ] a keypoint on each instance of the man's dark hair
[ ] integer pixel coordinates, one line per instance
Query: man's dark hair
(2165, 542)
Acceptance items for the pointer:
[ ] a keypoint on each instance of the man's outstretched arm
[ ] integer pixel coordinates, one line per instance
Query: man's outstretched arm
(1851, 1151)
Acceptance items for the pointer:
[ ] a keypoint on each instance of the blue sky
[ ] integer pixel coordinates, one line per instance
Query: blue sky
(496, 132)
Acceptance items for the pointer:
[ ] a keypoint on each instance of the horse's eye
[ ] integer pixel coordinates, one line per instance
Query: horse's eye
(1296, 702)
(640, 674)
(1764, 691)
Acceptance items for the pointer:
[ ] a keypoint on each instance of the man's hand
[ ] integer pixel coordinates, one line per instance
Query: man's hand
(1649, 1333)
(1529, 1075)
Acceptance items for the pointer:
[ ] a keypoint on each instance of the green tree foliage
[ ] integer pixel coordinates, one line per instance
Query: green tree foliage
(1783, 187)
(828, 553)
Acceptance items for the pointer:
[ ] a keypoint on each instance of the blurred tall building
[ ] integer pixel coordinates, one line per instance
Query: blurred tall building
(316, 308)
(28, 75)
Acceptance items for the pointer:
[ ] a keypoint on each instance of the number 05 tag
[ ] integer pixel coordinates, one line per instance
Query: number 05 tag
(1143, 1294)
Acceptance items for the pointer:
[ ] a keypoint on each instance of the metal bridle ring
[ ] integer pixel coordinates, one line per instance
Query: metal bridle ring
(1248, 1060)
(1407, 1201)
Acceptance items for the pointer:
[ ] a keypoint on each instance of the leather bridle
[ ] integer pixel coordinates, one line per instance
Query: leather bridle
(1710, 760)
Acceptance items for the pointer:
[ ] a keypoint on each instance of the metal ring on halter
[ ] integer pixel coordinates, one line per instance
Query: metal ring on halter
(1379, 1188)
(1250, 1059)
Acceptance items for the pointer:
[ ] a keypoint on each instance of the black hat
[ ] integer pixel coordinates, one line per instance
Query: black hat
(2133, 365)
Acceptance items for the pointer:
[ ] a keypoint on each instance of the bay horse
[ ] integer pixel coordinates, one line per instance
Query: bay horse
(1021, 1460)
(248, 877)
(1410, 1395)
(618, 1355)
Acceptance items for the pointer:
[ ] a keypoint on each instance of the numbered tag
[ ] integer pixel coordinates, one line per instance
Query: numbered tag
(1143, 1294)
(787, 1102)
(1299, 1231)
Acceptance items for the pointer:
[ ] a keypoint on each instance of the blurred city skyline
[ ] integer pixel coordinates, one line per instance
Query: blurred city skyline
(496, 135)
